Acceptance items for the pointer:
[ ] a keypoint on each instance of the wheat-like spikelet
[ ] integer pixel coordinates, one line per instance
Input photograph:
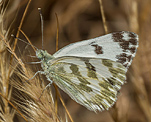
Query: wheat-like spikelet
(6, 71)
(14, 86)
(27, 98)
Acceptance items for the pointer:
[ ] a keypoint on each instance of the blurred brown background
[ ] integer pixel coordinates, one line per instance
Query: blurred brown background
(81, 20)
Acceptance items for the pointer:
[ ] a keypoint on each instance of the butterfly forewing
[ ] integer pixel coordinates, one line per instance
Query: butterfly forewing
(91, 82)
(118, 46)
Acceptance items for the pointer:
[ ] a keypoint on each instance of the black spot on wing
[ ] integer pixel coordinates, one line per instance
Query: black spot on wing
(98, 49)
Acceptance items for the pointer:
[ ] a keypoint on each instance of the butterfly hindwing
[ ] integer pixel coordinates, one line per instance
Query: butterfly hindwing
(91, 82)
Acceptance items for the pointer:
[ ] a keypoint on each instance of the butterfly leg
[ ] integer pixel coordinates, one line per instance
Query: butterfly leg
(41, 72)
(32, 56)
(46, 87)
(33, 62)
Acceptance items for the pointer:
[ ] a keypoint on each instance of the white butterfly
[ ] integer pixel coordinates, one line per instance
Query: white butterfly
(91, 72)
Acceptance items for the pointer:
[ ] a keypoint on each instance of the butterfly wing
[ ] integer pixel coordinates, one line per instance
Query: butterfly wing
(118, 46)
(91, 82)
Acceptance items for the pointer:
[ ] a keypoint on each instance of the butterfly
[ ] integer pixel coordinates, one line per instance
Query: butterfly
(92, 71)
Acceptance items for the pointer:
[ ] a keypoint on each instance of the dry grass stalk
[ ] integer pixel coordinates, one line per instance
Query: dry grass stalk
(36, 108)
(7, 112)
(103, 17)
(24, 96)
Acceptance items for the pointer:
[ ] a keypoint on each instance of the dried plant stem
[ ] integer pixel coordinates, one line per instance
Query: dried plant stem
(21, 23)
(68, 15)
(13, 53)
(134, 16)
(13, 106)
(103, 17)
(17, 35)
(56, 88)
(28, 40)
(63, 103)
(57, 37)
(24, 69)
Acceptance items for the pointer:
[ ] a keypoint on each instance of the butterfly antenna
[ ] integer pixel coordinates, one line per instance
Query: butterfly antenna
(23, 41)
(42, 25)
(57, 32)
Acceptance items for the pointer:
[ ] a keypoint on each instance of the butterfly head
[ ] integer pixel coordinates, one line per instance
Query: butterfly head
(43, 55)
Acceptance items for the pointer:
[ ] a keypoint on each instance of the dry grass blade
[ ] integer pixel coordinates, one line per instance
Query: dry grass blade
(28, 40)
(7, 112)
(19, 28)
(17, 35)
(11, 79)
(103, 17)
(13, 106)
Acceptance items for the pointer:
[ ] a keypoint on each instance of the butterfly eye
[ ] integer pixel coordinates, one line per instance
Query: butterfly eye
(40, 54)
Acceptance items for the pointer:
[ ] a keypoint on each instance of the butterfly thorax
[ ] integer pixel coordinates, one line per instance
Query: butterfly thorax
(43, 55)
(45, 58)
